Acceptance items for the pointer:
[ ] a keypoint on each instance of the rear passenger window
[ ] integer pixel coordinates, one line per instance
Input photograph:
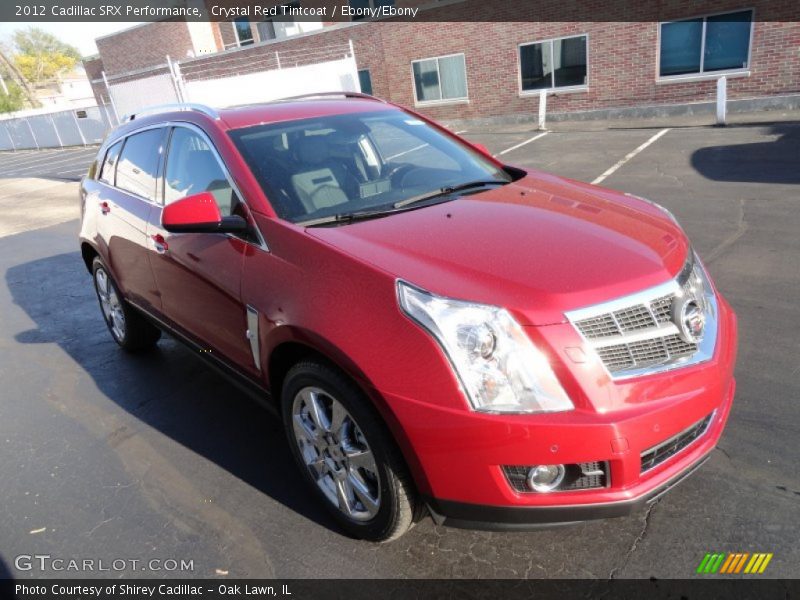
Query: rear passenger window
(107, 172)
(138, 163)
(192, 167)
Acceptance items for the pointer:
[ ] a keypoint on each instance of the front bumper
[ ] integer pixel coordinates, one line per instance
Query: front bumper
(508, 518)
(457, 455)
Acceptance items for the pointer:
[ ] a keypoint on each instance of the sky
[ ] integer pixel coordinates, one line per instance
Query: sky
(80, 35)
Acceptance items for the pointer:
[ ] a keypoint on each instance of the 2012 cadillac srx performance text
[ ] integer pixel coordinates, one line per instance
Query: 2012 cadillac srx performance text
(442, 334)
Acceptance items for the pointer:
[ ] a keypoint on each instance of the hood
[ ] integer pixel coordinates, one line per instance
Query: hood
(539, 246)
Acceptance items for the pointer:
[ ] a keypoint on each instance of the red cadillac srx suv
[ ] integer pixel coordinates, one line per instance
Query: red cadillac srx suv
(442, 333)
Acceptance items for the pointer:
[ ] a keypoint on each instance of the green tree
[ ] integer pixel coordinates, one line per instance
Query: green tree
(14, 100)
(40, 56)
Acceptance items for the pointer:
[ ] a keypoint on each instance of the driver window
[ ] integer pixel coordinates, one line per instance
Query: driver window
(192, 167)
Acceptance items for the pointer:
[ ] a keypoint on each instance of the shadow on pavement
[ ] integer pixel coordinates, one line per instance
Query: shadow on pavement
(6, 581)
(169, 389)
(777, 161)
(5, 573)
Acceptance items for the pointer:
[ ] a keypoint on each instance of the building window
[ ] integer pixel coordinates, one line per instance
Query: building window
(365, 81)
(556, 63)
(280, 27)
(244, 35)
(441, 79)
(706, 44)
(365, 4)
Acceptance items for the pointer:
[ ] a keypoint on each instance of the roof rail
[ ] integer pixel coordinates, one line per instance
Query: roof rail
(327, 94)
(158, 108)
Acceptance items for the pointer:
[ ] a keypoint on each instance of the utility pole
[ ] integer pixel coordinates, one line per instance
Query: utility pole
(26, 89)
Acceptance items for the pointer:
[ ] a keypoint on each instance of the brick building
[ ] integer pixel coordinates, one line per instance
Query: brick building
(663, 55)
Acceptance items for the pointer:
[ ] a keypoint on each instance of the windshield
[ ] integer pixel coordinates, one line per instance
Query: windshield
(342, 165)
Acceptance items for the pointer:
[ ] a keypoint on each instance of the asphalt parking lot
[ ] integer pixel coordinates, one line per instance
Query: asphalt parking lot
(105, 455)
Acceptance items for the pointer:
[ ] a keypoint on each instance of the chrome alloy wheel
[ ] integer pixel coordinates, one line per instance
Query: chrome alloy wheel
(336, 453)
(110, 303)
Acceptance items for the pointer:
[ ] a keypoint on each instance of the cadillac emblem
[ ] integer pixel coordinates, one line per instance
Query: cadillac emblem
(689, 317)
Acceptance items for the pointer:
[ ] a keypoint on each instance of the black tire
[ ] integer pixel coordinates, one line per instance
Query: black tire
(137, 333)
(398, 503)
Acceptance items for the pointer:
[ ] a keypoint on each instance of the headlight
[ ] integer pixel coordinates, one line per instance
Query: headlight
(499, 367)
(694, 303)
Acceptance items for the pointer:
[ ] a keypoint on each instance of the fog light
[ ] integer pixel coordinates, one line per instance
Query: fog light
(545, 478)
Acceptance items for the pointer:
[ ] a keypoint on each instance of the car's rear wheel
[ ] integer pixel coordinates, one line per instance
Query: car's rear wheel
(128, 328)
(346, 453)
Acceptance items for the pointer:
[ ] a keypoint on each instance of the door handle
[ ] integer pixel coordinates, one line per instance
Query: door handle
(105, 208)
(159, 243)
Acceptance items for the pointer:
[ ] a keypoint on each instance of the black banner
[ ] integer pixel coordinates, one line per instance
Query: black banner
(410, 11)
(349, 589)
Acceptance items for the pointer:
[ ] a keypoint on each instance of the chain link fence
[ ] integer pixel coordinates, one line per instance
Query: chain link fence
(58, 129)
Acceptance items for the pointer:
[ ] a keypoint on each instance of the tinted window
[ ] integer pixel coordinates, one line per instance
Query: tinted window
(553, 64)
(138, 163)
(365, 81)
(680, 47)
(442, 78)
(243, 31)
(107, 172)
(536, 66)
(192, 168)
(339, 164)
(704, 45)
(727, 41)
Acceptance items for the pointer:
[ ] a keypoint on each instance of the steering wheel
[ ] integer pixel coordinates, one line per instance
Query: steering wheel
(398, 173)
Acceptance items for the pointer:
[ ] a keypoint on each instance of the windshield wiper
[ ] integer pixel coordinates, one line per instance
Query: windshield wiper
(397, 206)
(347, 217)
(448, 190)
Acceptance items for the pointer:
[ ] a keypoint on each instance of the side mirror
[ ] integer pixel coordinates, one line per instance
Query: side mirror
(199, 213)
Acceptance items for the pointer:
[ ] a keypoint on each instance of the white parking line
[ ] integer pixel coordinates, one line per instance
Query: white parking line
(407, 151)
(36, 155)
(629, 156)
(521, 144)
(45, 153)
(79, 170)
(41, 165)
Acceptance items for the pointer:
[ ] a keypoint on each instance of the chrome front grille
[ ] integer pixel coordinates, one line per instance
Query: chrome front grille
(662, 308)
(667, 449)
(646, 352)
(636, 335)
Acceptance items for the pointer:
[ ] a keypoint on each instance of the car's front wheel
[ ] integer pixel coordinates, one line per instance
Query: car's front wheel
(128, 328)
(346, 453)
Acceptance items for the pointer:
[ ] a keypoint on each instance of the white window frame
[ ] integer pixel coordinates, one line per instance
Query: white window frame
(418, 102)
(553, 89)
(249, 42)
(706, 75)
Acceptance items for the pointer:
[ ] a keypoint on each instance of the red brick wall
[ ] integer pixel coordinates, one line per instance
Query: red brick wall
(144, 46)
(622, 69)
(622, 55)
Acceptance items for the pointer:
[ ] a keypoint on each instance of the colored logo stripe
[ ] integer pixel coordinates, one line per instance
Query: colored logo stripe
(734, 562)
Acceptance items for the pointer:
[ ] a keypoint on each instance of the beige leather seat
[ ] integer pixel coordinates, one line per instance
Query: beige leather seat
(322, 182)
